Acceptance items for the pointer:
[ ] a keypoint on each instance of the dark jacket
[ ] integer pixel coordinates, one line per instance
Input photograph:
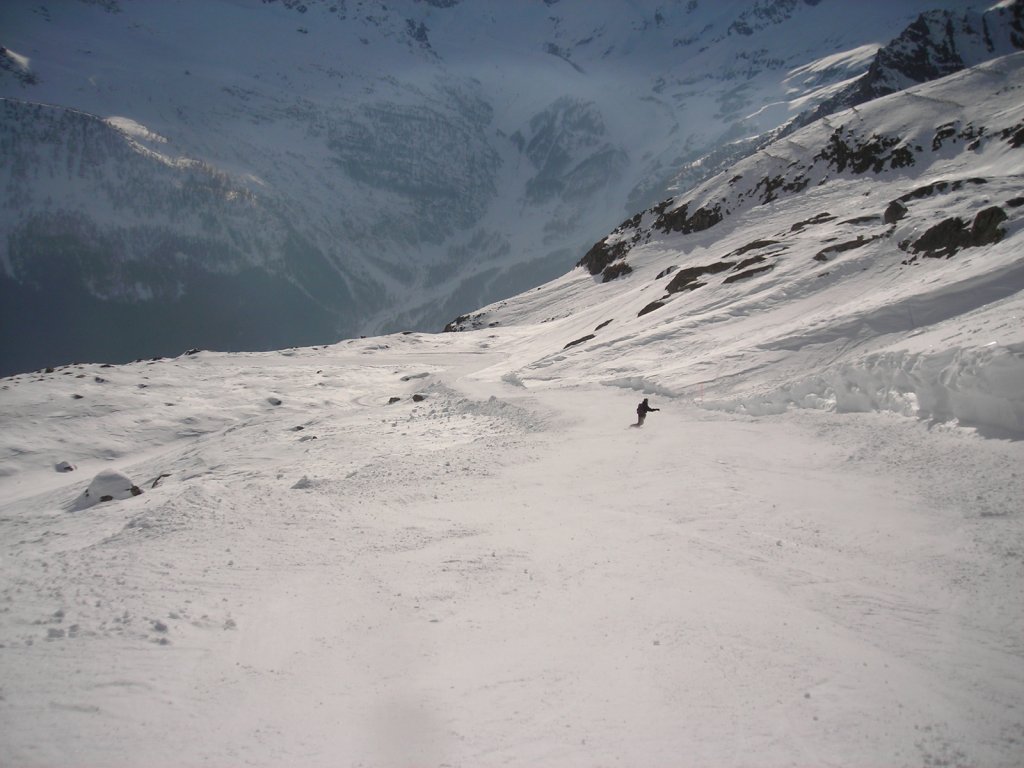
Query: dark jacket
(643, 409)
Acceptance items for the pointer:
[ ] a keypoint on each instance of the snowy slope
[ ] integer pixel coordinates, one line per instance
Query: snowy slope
(829, 248)
(937, 44)
(494, 574)
(453, 550)
(365, 166)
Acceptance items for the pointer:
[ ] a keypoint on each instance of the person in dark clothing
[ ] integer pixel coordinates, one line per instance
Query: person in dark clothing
(641, 412)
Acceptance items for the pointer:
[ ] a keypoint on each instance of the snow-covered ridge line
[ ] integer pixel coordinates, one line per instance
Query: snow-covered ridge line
(418, 160)
(842, 267)
(937, 44)
(852, 142)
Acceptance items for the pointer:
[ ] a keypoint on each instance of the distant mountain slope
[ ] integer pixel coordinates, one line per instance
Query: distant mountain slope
(365, 166)
(207, 257)
(936, 44)
(880, 245)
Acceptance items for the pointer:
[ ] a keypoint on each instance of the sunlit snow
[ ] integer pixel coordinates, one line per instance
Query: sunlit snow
(455, 550)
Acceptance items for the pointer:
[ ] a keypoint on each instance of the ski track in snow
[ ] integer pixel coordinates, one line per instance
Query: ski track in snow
(498, 574)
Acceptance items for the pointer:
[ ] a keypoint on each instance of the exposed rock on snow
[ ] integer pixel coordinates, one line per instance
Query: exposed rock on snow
(687, 279)
(951, 235)
(469, 322)
(821, 218)
(580, 340)
(648, 308)
(602, 254)
(827, 253)
(680, 220)
(894, 212)
(615, 271)
(747, 274)
(304, 483)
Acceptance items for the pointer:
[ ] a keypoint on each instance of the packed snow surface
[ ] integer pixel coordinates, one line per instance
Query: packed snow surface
(495, 572)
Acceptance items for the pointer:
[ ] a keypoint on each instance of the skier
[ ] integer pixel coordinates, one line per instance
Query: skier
(641, 412)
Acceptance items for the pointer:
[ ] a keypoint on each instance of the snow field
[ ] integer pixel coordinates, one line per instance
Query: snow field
(498, 574)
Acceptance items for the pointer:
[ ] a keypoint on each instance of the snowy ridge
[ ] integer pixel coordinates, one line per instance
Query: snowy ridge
(414, 160)
(936, 44)
(825, 249)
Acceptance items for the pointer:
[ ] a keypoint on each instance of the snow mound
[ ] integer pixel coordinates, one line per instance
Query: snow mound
(981, 387)
(108, 485)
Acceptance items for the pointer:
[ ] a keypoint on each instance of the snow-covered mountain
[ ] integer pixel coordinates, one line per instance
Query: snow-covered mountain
(452, 549)
(937, 44)
(879, 245)
(243, 175)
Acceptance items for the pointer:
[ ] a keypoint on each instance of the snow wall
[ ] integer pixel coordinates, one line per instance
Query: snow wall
(978, 387)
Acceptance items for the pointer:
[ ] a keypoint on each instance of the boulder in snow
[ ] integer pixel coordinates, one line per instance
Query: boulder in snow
(108, 485)
(894, 212)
